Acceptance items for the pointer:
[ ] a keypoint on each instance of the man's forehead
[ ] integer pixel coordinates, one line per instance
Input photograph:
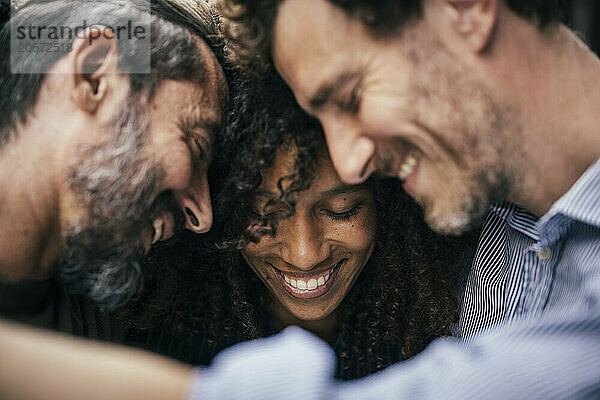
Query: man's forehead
(214, 82)
(190, 105)
(310, 46)
(300, 31)
(208, 105)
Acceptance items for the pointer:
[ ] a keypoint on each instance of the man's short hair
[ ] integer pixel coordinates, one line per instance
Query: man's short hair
(249, 23)
(174, 26)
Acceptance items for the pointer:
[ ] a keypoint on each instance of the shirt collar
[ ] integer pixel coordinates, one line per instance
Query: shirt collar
(582, 201)
(517, 218)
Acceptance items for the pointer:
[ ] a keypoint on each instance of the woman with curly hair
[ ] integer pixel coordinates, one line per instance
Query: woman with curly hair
(354, 264)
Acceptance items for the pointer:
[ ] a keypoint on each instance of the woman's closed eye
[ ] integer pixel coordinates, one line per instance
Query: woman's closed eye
(343, 215)
(266, 215)
(269, 211)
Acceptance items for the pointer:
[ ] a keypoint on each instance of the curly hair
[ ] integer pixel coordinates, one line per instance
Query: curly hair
(263, 118)
(249, 24)
(403, 298)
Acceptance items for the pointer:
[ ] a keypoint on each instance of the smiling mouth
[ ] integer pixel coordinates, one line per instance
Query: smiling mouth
(310, 287)
(407, 167)
(158, 225)
(400, 164)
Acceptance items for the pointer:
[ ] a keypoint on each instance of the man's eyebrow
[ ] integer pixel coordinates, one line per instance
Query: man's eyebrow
(212, 126)
(196, 117)
(326, 90)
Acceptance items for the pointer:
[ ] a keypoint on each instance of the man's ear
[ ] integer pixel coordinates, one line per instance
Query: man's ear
(474, 20)
(94, 55)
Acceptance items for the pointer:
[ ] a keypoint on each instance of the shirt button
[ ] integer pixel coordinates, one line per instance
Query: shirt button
(544, 254)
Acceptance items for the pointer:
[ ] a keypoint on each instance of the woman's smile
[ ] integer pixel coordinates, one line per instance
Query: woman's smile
(315, 254)
(309, 286)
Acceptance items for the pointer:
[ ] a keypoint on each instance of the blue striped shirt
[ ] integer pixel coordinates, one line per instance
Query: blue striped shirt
(502, 271)
(531, 311)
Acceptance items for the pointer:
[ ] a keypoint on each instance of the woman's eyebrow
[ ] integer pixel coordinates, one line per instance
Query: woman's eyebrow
(341, 189)
(344, 189)
(265, 193)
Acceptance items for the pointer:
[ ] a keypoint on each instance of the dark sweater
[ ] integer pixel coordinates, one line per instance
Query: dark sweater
(46, 304)
(196, 350)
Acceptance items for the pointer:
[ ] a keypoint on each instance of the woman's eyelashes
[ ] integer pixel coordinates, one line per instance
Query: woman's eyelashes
(343, 215)
(274, 211)
(269, 210)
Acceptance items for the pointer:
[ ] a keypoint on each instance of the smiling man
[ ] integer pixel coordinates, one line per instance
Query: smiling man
(97, 163)
(468, 102)
(472, 104)
(397, 104)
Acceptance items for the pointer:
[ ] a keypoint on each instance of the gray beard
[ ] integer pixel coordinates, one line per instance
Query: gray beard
(118, 182)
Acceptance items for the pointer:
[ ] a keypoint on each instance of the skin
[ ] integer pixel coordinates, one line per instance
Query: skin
(387, 105)
(524, 68)
(451, 91)
(185, 155)
(326, 228)
(39, 206)
(42, 206)
(84, 369)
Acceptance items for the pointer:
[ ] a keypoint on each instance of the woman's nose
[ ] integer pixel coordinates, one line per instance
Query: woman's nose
(303, 246)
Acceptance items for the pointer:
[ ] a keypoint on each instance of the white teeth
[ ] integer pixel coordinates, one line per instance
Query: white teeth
(311, 284)
(158, 224)
(407, 168)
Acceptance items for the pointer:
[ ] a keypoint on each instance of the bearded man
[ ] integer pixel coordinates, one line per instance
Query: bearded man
(97, 160)
(483, 109)
(468, 102)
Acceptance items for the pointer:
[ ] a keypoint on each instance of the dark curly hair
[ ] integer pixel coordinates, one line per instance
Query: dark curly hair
(403, 298)
(248, 26)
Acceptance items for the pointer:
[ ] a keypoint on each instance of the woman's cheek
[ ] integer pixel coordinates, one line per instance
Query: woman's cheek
(359, 234)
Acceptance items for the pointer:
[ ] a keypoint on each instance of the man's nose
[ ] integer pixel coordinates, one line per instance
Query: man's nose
(304, 246)
(352, 153)
(196, 206)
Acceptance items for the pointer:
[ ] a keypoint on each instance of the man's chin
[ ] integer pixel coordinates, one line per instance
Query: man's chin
(453, 225)
(455, 221)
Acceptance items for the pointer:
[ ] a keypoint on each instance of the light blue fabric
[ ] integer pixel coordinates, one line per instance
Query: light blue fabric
(499, 274)
(551, 351)
(291, 365)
